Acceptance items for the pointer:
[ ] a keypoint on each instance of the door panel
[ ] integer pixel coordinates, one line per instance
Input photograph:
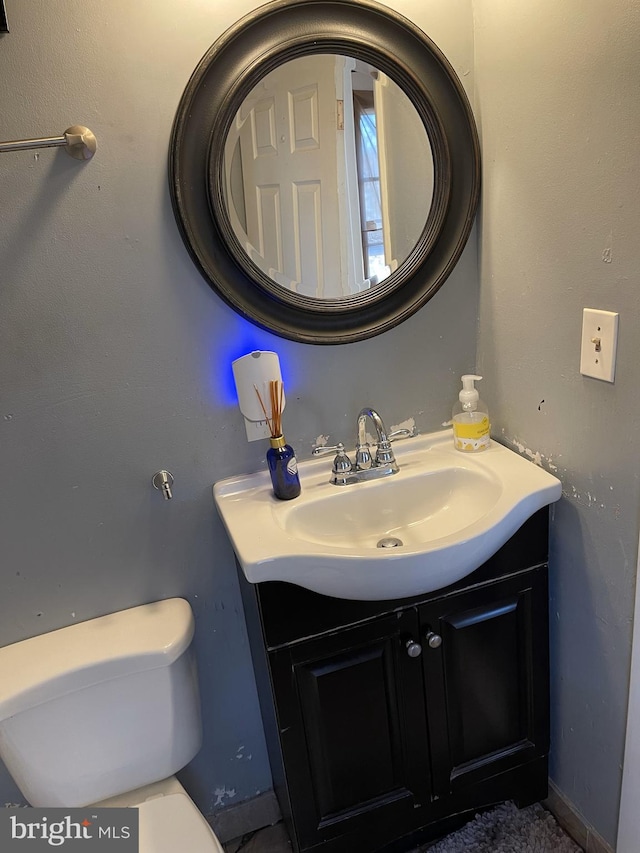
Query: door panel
(356, 728)
(486, 685)
(296, 241)
(483, 659)
(340, 737)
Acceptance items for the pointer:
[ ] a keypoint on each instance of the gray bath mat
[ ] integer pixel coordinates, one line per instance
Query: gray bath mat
(507, 829)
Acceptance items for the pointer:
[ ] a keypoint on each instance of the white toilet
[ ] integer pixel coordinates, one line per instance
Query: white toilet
(103, 713)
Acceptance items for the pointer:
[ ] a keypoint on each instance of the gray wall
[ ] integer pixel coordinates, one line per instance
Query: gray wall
(115, 354)
(557, 101)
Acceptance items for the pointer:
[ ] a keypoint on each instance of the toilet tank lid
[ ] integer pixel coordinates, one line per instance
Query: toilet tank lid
(142, 638)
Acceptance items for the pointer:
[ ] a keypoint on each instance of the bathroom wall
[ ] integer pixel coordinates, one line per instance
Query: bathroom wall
(115, 354)
(557, 104)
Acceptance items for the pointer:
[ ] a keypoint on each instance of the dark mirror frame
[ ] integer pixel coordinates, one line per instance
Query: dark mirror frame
(273, 34)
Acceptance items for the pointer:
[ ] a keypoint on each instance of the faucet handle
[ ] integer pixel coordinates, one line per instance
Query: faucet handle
(400, 433)
(328, 448)
(341, 464)
(384, 453)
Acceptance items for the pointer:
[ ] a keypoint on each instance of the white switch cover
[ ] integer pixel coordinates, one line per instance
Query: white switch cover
(599, 344)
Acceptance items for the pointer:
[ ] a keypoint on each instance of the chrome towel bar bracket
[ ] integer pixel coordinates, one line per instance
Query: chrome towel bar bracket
(78, 141)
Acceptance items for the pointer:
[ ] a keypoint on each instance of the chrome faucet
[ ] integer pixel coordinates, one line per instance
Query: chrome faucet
(366, 467)
(384, 453)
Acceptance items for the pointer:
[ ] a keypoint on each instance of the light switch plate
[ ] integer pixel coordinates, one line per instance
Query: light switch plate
(599, 344)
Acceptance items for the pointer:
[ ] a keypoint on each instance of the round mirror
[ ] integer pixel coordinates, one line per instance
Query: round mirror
(324, 168)
(328, 176)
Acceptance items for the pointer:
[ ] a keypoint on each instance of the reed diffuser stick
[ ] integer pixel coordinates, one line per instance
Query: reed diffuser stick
(276, 399)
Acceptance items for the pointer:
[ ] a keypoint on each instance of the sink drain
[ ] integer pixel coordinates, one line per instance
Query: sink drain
(390, 542)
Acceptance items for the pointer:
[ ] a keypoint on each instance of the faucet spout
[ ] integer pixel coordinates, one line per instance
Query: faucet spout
(381, 430)
(384, 454)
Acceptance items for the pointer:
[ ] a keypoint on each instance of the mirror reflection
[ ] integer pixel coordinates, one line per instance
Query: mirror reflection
(328, 176)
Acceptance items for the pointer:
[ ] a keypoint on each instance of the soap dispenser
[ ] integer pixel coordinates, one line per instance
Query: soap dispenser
(470, 418)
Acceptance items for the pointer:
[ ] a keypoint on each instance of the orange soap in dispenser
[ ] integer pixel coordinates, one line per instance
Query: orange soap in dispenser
(470, 418)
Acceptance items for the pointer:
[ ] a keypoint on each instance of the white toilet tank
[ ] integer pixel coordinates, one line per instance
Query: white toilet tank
(101, 707)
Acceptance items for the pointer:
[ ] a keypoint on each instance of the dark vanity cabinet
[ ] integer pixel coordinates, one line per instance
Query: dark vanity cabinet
(389, 722)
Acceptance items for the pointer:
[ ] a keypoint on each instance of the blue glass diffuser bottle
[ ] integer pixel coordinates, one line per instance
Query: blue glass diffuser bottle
(283, 468)
(281, 458)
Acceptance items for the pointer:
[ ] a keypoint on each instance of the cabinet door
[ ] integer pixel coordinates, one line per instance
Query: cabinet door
(352, 729)
(487, 682)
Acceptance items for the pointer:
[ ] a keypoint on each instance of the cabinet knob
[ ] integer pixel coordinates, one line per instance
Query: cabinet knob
(414, 650)
(434, 640)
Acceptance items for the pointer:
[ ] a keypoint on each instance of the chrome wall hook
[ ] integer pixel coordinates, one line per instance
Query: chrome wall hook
(163, 481)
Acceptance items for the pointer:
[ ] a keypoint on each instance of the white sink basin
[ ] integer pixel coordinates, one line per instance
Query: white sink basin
(450, 512)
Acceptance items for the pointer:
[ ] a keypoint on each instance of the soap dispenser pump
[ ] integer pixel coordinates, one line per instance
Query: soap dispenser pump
(470, 418)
